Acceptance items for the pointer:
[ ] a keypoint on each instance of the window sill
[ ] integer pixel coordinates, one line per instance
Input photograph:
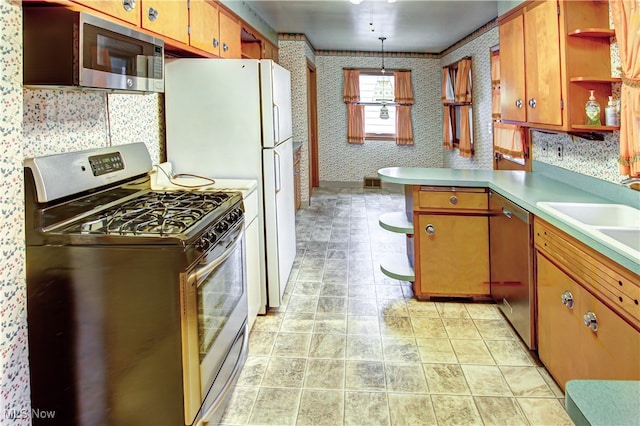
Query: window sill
(386, 138)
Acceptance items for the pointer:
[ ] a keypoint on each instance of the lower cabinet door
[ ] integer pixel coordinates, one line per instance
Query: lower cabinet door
(454, 255)
(558, 321)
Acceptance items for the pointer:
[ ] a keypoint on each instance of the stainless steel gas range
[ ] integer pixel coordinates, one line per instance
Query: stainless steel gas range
(136, 299)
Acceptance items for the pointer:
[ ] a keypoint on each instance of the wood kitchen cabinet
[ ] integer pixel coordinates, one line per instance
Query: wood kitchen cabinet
(588, 312)
(230, 27)
(126, 10)
(451, 241)
(214, 30)
(551, 55)
(169, 18)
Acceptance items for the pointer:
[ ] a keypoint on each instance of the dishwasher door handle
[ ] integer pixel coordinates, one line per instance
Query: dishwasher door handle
(507, 213)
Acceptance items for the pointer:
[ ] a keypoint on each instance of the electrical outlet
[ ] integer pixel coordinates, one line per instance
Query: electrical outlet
(544, 149)
(559, 151)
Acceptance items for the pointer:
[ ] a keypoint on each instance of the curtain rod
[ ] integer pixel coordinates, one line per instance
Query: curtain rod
(375, 69)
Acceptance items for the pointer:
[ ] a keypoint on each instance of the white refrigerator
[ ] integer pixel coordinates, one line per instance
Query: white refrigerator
(231, 118)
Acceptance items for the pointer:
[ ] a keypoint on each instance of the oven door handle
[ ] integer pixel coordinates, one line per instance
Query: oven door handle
(209, 267)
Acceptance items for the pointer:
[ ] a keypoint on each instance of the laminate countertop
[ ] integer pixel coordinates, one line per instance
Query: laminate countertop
(525, 189)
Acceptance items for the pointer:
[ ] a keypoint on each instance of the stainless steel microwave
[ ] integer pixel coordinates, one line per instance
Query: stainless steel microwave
(70, 49)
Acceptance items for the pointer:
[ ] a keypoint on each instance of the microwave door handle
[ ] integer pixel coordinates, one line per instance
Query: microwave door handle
(276, 123)
(209, 267)
(276, 170)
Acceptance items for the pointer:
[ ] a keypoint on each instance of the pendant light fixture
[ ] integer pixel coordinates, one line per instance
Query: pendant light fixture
(383, 88)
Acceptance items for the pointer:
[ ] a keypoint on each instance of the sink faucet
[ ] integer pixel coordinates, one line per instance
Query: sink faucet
(632, 182)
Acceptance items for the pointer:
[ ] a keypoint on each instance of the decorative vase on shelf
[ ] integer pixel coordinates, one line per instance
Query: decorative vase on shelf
(592, 110)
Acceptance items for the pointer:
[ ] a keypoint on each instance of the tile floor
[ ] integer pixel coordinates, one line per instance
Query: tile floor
(351, 346)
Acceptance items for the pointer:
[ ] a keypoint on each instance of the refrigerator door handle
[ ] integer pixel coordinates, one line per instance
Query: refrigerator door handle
(276, 168)
(276, 123)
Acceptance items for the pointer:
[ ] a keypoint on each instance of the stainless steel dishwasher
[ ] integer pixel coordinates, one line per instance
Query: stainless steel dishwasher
(511, 248)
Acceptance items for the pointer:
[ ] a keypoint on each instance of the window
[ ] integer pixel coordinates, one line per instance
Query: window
(376, 92)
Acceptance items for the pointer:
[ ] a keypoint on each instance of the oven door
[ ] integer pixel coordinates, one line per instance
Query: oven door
(214, 318)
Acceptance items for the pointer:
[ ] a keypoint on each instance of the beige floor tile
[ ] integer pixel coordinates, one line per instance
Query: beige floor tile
(307, 288)
(446, 379)
(275, 406)
(240, 405)
(296, 322)
(261, 342)
(359, 306)
(327, 346)
(436, 351)
(494, 329)
(460, 328)
(332, 305)
(363, 324)
(550, 382)
(428, 327)
(483, 311)
(452, 310)
(334, 290)
(330, 324)
(408, 409)
(364, 347)
(401, 349)
(366, 408)
(388, 292)
(321, 408)
(407, 378)
(424, 308)
(455, 410)
(392, 307)
(285, 372)
(253, 371)
(362, 291)
(268, 322)
(526, 382)
(486, 380)
(365, 375)
(395, 326)
(541, 411)
(499, 411)
(304, 304)
(324, 374)
(291, 344)
(508, 352)
(472, 351)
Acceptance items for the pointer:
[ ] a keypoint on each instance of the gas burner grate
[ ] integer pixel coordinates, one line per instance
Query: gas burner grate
(156, 213)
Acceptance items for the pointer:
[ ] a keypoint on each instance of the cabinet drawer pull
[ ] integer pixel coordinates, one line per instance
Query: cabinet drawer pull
(453, 200)
(216, 43)
(430, 229)
(532, 102)
(225, 47)
(519, 103)
(567, 299)
(128, 5)
(591, 321)
(153, 14)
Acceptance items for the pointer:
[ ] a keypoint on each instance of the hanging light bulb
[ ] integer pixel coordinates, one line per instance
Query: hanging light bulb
(382, 39)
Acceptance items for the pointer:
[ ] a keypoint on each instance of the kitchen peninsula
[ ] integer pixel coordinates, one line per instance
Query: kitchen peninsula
(586, 283)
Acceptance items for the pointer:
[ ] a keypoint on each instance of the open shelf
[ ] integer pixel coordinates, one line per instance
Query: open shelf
(595, 80)
(396, 222)
(593, 32)
(399, 268)
(595, 128)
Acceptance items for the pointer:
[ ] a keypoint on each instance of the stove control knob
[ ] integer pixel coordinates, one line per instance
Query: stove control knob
(211, 236)
(222, 226)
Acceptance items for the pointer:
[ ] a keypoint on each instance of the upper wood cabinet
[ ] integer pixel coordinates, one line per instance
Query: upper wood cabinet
(169, 18)
(255, 46)
(551, 54)
(230, 28)
(126, 10)
(205, 26)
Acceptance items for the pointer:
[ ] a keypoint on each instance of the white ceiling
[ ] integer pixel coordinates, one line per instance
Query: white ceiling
(425, 26)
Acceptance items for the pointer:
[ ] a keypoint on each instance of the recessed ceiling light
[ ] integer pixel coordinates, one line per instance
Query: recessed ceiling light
(355, 1)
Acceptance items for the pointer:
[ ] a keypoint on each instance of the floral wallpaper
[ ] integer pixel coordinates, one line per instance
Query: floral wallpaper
(36, 123)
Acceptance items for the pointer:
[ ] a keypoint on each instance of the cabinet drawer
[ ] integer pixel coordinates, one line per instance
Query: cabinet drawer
(616, 286)
(251, 207)
(429, 197)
